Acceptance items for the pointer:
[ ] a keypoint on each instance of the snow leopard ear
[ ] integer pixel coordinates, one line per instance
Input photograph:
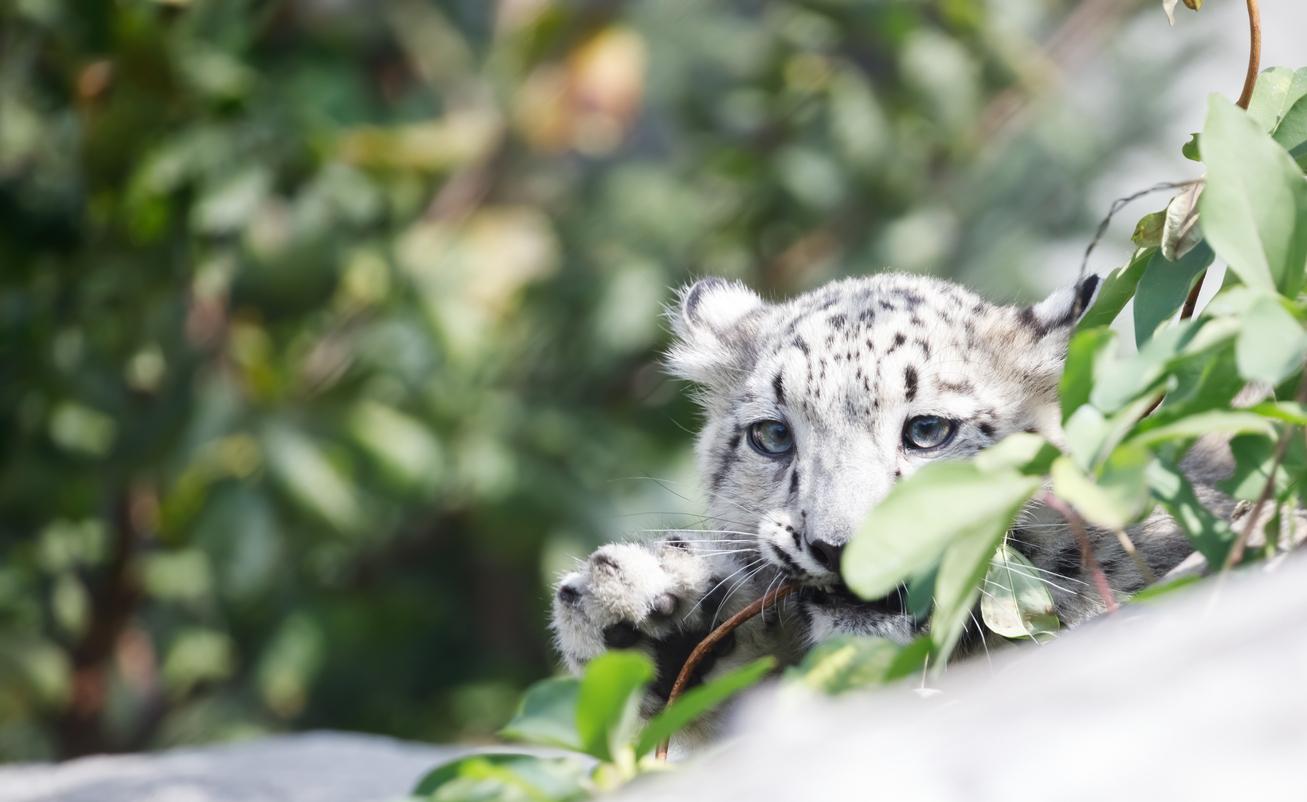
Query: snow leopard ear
(710, 323)
(1061, 310)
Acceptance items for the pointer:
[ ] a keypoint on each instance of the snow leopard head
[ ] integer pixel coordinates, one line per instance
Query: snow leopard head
(816, 406)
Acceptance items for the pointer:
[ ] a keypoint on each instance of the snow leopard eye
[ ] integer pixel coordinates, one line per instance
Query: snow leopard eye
(771, 438)
(925, 432)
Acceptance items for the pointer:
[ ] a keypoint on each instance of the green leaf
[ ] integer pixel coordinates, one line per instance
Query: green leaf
(1117, 290)
(310, 478)
(1254, 201)
(1271, 344)
(1253, 455)
(1275, 93)
(1190, 149)
(699, 700)
(1016, 602)
(1288, 411)
(957, 585)
(1023, 452)
(845, 663)
(1201, 385)
(1291, 133)
(1210, 535)
(548, 715)
(608, 702)
(1082, 359)
(1117, 499)
(1164, 589)
(1163, 289)
(1148, 231)
(1202, 423)
(908, 532)
(1145, 372)
(504, 776)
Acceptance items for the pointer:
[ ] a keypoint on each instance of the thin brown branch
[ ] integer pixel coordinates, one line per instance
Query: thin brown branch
(80, 727)
(1254, 54)
(713, 638)
(1087, 558)
(1235, 555)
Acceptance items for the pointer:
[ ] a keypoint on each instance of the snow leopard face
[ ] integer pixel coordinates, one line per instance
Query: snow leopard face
(816, 406)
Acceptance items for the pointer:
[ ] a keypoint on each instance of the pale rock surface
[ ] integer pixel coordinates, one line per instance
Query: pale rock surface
(1199, 696)
(314, 767)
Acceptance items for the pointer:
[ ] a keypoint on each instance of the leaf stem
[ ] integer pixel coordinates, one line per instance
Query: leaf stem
(1254, 54)
(1087, 557)
(712, 639)
(1235, 554)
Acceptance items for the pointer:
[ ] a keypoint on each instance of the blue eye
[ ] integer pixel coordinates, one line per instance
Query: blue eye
(771, 438)
(925, 432)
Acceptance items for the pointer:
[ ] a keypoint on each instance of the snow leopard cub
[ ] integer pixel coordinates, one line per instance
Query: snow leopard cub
(814, 408)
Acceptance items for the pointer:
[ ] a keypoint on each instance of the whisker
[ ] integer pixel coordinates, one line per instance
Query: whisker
(726, 579)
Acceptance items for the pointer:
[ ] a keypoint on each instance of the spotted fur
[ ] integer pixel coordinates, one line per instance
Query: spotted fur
(845, 367)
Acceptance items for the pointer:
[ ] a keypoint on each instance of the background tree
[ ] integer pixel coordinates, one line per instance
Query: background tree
(325, 327)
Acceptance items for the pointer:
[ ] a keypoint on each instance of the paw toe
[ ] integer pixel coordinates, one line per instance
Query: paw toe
(621, 636)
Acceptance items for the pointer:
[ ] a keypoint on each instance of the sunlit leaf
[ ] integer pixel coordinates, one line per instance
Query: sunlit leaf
(499, 777)
(1015, 601)
(1272, 344)
(1082, 362)
(1254, 200)
(1210, 534)
(1180, 232)
(608, 701)
(897, 542)
(1114, 499)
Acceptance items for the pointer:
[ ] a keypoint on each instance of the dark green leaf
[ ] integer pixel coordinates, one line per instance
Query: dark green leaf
(548, 715)
(1117, 290)
(1163, 289)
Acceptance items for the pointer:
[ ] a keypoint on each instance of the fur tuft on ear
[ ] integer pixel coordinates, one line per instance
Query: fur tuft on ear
(1062, 308)
(708, 321)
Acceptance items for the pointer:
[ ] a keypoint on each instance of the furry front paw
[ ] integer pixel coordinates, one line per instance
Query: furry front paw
(649, 597)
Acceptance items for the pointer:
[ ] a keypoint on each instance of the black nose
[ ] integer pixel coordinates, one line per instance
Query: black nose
(826, 554)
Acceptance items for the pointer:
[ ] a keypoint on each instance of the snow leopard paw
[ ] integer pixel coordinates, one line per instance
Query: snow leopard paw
(644, 596)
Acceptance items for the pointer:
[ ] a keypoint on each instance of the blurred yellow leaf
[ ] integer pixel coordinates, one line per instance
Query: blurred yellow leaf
(458, 138)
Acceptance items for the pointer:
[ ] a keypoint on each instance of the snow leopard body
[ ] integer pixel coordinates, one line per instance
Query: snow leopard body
(845, 369)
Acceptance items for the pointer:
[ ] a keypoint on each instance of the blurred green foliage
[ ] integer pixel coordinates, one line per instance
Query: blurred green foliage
(327, 325)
